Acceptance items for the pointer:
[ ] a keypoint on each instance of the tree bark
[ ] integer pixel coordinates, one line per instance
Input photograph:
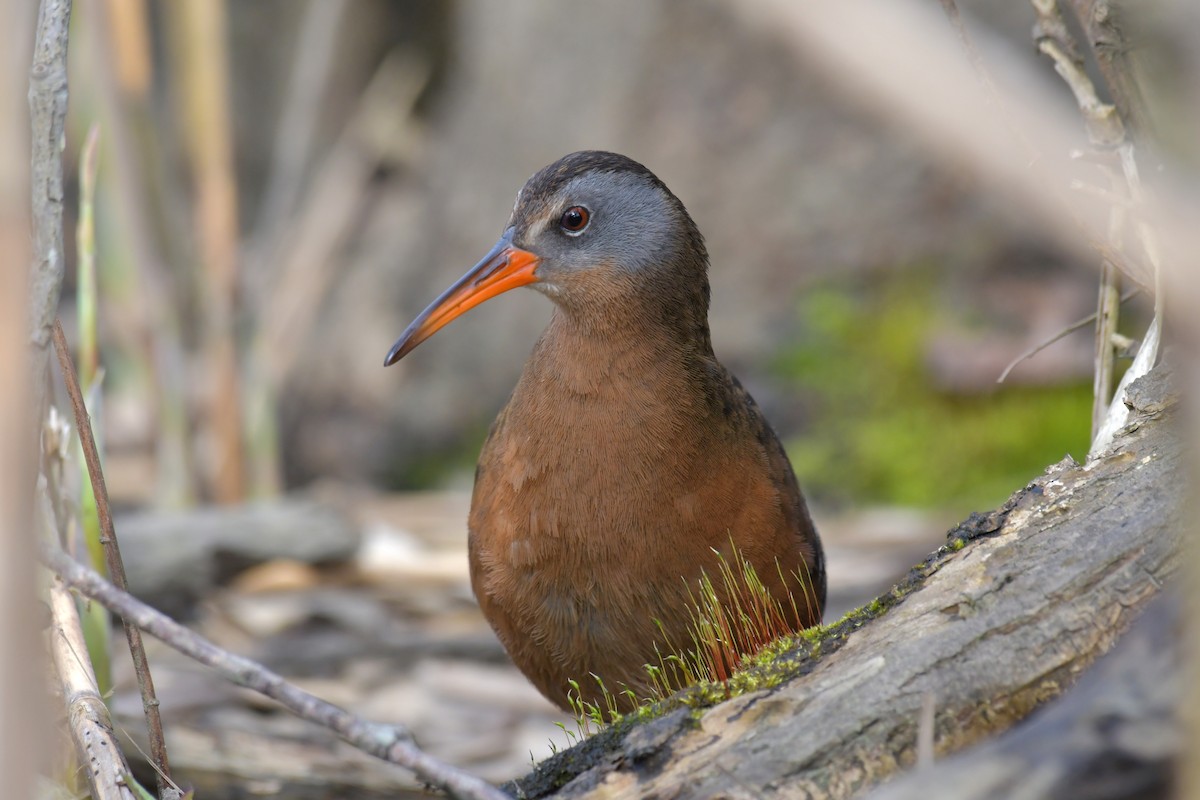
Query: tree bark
(998, 622)
(1114, 736)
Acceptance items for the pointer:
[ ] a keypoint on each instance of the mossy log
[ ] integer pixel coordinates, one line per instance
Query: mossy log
(1004, 618)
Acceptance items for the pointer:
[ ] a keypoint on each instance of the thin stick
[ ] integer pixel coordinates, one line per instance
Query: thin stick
(1074, 326)
(1106, 130)
(85, 245)
(116, 567)
(1108, 313)
(387, 742)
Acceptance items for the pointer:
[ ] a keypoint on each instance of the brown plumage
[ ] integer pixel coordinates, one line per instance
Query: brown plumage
(627, 456)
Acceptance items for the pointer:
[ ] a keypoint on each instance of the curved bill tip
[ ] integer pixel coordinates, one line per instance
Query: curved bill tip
(505, 267)
(395, 354)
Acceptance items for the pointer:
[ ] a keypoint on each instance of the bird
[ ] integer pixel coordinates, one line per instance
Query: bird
(628, 463)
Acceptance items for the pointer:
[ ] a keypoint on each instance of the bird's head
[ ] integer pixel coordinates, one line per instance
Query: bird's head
(600, 235)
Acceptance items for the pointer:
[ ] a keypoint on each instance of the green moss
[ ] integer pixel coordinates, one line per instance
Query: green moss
(885, 434)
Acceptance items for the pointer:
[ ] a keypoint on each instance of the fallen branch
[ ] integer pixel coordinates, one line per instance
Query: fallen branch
(391, 743)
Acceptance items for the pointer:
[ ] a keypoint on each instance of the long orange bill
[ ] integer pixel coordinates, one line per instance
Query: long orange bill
(505, 267)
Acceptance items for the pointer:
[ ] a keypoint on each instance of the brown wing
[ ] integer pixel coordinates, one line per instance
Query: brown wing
(746, 413)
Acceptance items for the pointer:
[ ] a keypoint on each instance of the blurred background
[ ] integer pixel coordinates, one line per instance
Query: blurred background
(283, 185)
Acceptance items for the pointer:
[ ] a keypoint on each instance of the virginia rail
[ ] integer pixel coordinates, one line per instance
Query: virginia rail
(627, 457)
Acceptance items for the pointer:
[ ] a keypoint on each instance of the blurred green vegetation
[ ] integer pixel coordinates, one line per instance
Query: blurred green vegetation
(883, 433)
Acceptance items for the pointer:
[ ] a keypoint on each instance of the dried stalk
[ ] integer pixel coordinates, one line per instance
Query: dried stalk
(47, 114)
(87, 716)
(88, 719)
(298, 267)
(1106, 132)
(204, 83)
(116, 567)
(154, 320)
(85, 248)
(97, 625)
(313, 59)
(1108, 314)
(300, 277)
(131, 35)
(387, 742)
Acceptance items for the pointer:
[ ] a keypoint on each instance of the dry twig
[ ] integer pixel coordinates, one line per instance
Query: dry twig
(112, 555)
(1040, 346)
(1106, 131)
(388, 742)
(1108, 135)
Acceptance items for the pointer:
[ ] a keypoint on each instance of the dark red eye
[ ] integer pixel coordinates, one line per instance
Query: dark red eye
(574, 219)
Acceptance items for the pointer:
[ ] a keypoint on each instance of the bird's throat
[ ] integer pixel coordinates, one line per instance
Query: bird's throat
(590, 351)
